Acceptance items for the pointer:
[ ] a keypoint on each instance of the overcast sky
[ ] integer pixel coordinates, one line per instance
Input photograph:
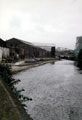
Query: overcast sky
(44, 21)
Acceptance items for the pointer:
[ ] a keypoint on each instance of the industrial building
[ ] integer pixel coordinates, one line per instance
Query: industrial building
(22, 49)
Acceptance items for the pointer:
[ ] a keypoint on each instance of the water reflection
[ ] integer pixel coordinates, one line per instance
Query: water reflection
(52, 62)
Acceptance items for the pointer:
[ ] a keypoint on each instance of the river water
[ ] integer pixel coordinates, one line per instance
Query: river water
(56, 90)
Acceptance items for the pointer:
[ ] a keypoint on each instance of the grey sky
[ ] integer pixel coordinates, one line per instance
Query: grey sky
(48, 21)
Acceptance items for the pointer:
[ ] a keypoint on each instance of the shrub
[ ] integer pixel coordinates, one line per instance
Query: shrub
(7, 75)
(80, 59)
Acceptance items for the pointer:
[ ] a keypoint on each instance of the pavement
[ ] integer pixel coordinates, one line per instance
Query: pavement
(20, 66)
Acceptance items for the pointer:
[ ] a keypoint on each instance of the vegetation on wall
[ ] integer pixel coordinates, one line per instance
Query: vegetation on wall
(7, 75)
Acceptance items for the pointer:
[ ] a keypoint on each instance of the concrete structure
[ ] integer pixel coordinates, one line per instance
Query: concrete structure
(4, 52)
(0, 54)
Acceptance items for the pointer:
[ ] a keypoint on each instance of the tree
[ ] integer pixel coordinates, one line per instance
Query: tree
(80, 59)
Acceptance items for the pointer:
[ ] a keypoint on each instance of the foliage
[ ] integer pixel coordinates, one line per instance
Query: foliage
(80, 59)
(7, 76)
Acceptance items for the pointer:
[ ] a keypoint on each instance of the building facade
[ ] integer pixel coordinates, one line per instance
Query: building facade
(79, 43)
(24, 49)
(4, 52)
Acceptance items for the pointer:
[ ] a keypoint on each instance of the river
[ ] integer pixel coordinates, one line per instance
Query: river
(55, 89)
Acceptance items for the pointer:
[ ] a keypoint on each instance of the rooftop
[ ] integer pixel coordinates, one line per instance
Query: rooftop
(25, 42)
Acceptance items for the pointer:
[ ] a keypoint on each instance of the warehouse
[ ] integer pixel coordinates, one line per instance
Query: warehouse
(22, 49)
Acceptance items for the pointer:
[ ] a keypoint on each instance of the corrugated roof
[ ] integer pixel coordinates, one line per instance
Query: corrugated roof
(25, 42)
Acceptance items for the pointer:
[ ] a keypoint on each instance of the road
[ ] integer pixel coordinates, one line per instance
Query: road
(56, 90)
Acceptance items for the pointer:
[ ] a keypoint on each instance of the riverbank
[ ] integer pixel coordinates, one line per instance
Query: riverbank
(20, 67)
(10, 107)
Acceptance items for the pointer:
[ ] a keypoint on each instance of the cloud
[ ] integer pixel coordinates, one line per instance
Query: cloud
(15, 22)
(55, 21)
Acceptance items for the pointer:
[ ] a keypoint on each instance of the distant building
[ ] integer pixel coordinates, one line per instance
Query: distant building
(79, 43)
(46, 46)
